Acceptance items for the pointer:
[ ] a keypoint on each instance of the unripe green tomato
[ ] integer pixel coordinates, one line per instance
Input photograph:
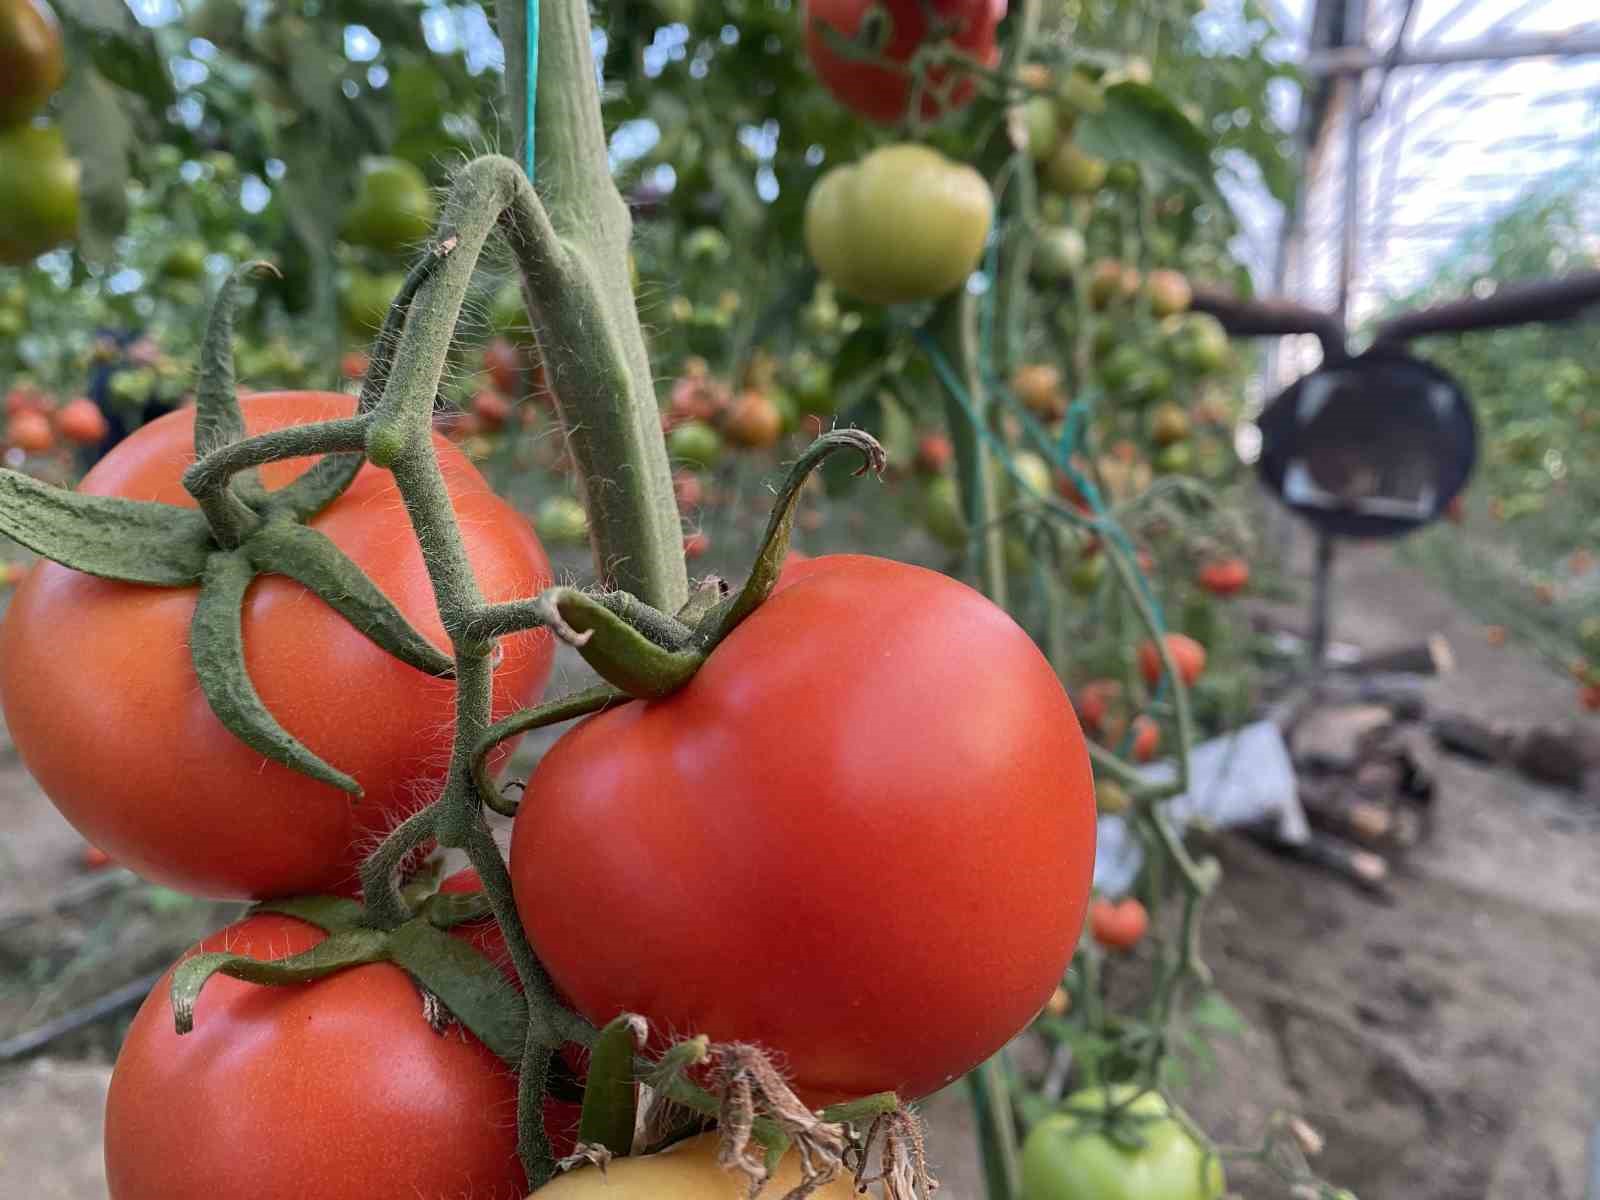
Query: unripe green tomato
(707, 245)
(507, 313)
(1086, 574)
(813, 386)
(185, 259)
(224, 167)
(12, 323)
(238, 247)
(903, 224)
(694, 444)
(38, 192)
(821, 317)
(1589, 636)
(1081, 95)
(1123, 176)
(1202, 344)
(1042, 121)
(1070, 1155)
(1122, 366)
(393, 208)
(1058, 253)
(1073, 173)
(166, 159)
(1175, 459)
(365, 298)
(942, 515)
(561, 521)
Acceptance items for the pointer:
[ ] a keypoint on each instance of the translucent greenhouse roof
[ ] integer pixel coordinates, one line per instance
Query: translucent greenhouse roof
(1467, 103)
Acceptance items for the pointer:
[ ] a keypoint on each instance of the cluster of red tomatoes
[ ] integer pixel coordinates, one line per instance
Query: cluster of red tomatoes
(801, 803)
(36, 423)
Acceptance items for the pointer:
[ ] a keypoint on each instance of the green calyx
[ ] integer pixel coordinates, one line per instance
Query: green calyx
(239, 533)
(647, 654)
(470, 987)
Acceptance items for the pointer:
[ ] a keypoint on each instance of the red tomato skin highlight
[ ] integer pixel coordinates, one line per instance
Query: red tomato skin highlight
(862, 837)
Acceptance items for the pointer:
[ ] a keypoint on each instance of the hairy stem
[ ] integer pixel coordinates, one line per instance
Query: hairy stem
(589, 335)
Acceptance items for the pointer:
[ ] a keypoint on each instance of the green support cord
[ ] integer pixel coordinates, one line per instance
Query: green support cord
(533, 84)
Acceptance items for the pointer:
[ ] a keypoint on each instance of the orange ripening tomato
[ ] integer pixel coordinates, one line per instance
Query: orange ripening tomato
(100, 695)
(867, 845)
(81, 422)
(1188, 656)
(1146, 739)
(1120, 925)
(1224, 577)
(30, 431)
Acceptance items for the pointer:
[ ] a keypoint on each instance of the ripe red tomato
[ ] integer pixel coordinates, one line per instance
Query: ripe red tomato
(1094, 701)
(102, 702)
(504, 363)
(82, 422)
(688, 489)
(934, 453)
(491, 408)
(753, 421)
(1188, 656)
(1120, 925)
(1146, 739)
(30, 431)
(339, 1089)
(26, 398)
(696, 544)
(354, 364)
(852, 810)
(881, 91)
(1589, 696)
(1224, 577)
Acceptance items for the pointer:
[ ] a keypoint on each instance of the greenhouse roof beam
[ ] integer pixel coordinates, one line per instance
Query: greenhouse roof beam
(1354, 60)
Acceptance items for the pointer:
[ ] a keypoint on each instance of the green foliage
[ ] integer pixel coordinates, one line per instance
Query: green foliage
(1531, 510)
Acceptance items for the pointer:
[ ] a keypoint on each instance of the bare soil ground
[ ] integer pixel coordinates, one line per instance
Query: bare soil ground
(1446, 1042)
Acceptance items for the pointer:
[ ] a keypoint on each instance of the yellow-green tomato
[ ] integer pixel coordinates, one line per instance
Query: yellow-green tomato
(1073, 173)
(686, 1171)
(38, 192)
(903, 224)
(1071, 1155)
(1032, 473)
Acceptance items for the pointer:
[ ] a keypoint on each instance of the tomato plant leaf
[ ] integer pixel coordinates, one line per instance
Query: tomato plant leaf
(610, 1096)
(94, 121)
(331, 914)
(1142, 124)
(350, 948)
(310, 558)
(468, 984)
(135, 541)
(216, 642)
(121, 49)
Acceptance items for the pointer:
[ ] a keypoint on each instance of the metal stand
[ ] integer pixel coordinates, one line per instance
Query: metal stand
(1321, 604)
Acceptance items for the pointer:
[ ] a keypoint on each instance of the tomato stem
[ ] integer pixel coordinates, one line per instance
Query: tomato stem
(572, 250)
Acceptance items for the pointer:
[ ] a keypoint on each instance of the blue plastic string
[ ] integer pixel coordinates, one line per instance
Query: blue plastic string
(533, 84)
